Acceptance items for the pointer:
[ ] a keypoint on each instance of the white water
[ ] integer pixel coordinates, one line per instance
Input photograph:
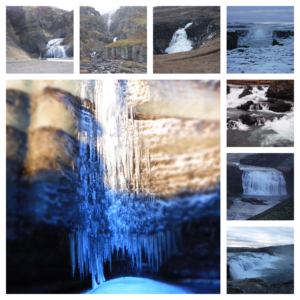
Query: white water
(249, 264)
(180, 42)
(55, 50)
(262, 181)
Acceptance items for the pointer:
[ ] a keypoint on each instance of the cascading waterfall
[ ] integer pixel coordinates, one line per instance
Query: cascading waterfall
(263, 181)
(180, 42)
(54, 49)
(109, 216)
(246, 265)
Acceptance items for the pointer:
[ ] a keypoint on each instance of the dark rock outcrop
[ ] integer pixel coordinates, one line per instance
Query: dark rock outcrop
(282, 89)
(234, 180)
(276, 43)
(228, 89)
(247, 119)
(282, 34)
(246, 92)
(254, 201)
(245, 106)
(232, 40)
(280, 106)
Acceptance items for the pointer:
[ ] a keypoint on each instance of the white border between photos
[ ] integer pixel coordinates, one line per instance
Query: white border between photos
(224, 150)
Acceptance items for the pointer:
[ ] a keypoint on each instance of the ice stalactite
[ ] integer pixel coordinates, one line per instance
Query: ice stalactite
(113, 212)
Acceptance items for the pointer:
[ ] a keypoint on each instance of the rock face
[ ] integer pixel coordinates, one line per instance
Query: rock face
(31, 27)
(280, 106)
(282, 89)
(232, 40)
(281, 34)
(128, 27)
(246, 106)
(234, 180)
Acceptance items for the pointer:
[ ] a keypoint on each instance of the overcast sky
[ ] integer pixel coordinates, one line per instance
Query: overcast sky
(263, 14)
(259, 236)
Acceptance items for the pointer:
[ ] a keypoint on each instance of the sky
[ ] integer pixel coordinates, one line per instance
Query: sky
(262, 14)
(259, 236)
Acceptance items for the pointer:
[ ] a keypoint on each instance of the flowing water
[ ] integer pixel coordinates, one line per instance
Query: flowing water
(180, 42)
(259, 56)
(55, 50)
(262, 183)
(273, 130)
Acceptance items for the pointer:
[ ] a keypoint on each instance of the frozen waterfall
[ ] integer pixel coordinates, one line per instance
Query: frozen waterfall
(180, 42)
(262, 181)
(114, 214)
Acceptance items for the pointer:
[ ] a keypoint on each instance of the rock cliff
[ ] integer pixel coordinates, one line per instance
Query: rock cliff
(121, 35)
(29, 28)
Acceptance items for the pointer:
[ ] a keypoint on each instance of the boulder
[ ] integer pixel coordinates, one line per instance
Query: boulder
(228, 89)
(247, 119)
(280, 106)
(245, 92)
(245, 106)
(282, 89)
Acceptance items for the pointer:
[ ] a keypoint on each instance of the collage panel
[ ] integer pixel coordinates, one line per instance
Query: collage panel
(260, 186)
(186, 39)
(113, 186)
(260, 113)
(113, 39)
(260, 260)
(260, 39)
(39, 40)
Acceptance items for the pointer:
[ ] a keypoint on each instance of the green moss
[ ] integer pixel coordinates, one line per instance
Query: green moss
(139, 19)
(139, 37)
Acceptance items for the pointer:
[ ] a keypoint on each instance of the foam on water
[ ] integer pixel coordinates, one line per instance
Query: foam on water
(180, 42)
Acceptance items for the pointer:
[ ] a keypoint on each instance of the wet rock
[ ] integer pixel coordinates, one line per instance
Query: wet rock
(259, 88)
(246, 92)
(232, 40)
(229, 203)
(241, 50)
(282, 89)
(246, 106)
(280, 106)
(276, 43)
(254, 201)
(228, 89)
(247, 119)
(234, 180)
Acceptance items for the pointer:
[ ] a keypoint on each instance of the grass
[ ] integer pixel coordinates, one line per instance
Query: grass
(85, 60)
(139, 37)
(84, 71)
(134, 64)
(139, 19)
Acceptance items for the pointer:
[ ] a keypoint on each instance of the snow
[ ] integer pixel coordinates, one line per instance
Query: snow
(261, 56)
(180, 42)
(136, 285)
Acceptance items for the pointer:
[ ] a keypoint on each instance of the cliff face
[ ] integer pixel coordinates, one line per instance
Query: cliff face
(128, 26)
(30, 28)
(93, 31)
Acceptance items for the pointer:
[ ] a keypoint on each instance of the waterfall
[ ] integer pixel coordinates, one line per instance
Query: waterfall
(180, 42)
(54, 49)
(263, 181)
(246, 265)
(113, 214)
(109, 21)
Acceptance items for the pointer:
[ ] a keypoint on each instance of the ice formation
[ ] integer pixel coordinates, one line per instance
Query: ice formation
(114, 212)
(54, 49)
